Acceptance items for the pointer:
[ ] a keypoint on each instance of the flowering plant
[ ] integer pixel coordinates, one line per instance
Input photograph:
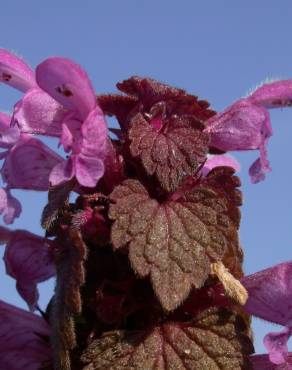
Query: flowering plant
(147, 260)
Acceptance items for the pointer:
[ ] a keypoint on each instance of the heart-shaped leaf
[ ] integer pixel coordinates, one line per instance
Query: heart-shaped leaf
(215, 340)
(175, 241)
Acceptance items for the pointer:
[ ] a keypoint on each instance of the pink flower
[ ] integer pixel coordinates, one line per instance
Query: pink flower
(15, 72)
(10, 207)
(218, 161)
(61, 104)
(24, 339)
(64, 107)
(270, 298)
(28, 165)
(84, 130)
(245, 125)
(8, 135)
(29, 260)
(262, 362)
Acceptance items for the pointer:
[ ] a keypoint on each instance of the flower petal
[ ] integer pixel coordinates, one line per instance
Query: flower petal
(218, 161)
(258, 170)
(276, 344)
(38, 113)
(68, 83)
(29, 164)
(261, 362)
(15, 72)
(4, 120)
(238, 127)
(88, 170)
(10, 207)
(270, 294)
(71, 136)
(62, 172)
(23, 344)
(243, 126)
(94, 134)
(28, 259)
(275, 94)
(8, 135)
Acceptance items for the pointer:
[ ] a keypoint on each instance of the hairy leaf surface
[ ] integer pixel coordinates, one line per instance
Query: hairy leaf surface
(215, 340)
(164, 125)
(171, 152)
(175, 241)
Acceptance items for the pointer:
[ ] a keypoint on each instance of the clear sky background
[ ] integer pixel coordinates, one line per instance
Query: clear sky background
(217, 50)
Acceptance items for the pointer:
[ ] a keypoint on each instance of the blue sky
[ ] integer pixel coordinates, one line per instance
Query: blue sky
(217, 50)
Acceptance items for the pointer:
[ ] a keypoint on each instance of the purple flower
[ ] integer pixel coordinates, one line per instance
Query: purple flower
(245, 125)
(218, 161)
(64, 105)
(29, 260)
(24, 339)
(28, 164)
(270, 298)
(8, 135)
(10, 207)
(262, 362)
(59, 101)
(15, 72)
(84, 130)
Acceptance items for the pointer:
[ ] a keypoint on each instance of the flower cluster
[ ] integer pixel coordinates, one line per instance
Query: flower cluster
(147, 260)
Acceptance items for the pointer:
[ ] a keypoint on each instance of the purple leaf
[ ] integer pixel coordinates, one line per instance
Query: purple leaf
(170, 153)
(175, 241)
(216, 339)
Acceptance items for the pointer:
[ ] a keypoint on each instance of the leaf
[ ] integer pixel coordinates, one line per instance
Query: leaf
(58, 196)
(117, 105)
(174, 241)
(215, 340)
(171, 153)
(164, 125)
(67, 299)
(150, 92)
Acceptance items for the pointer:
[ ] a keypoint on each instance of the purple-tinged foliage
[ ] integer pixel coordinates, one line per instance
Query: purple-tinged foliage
(214, 339)
(147, 259)
(175, 241)
(164, 126)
